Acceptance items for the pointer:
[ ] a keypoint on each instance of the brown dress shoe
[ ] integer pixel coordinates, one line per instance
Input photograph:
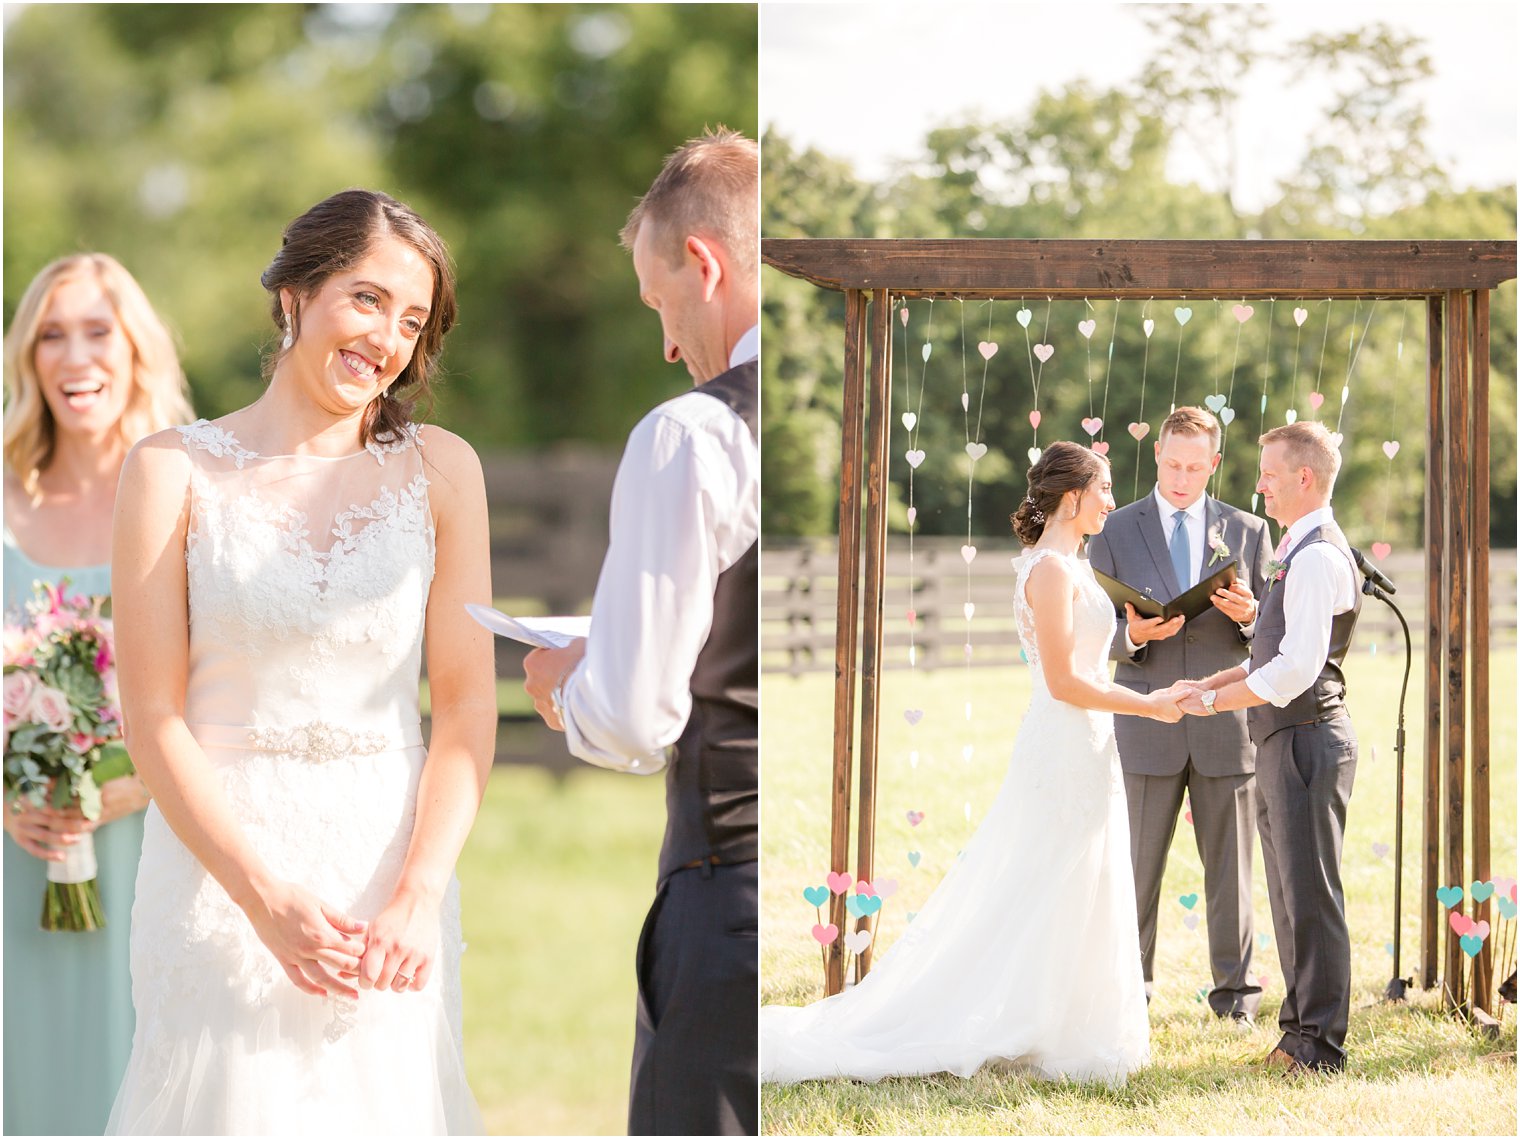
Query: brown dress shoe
(1277, 1058)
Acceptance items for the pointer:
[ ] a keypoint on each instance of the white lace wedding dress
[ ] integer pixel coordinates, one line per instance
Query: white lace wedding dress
(308, 581)
(1028, 952)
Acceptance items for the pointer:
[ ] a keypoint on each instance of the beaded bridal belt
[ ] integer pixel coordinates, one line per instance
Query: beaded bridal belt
(316, 740)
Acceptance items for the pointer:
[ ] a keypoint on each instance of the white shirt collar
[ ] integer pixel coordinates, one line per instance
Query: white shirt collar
(1194, 512)
(1308, 522)
(747, 349)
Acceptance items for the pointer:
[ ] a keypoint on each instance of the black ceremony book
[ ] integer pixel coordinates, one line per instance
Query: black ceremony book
(1191, 603)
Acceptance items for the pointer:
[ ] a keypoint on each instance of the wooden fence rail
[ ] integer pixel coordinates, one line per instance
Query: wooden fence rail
(798, 602)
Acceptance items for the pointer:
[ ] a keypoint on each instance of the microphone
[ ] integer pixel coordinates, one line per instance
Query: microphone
(1372, 573)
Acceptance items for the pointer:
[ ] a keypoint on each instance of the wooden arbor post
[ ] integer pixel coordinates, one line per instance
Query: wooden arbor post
(1452, 276)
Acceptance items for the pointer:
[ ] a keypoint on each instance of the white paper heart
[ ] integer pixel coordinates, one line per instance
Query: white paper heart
(968, 553)
(987, 348)
(858, 940)
(1300, 315)
(1034, 455)
(1345, 394)
(1391, 448)
(927, 349)
(1044, 352)
(1034, 419)
(1254, 499)
(1087, 327)
(1243, 312)
(1183, 315)
(910, 420)
(1149, 326)
(913, 759)
(967, 752)
(1024, 316)
(965, 401)
(976, 450)
(1337, 438)
(912, 656)
(915, 458)
(969, 609)
(1227, 415)
(1214, 403)
(966, 648)
(912, 515)
(1092, 425)
(1291, 415)
(913, 715)
(1139, 430)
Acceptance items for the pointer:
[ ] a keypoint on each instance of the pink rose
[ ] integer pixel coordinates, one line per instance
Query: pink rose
(51, 707)
(19, 687)
(81, 742)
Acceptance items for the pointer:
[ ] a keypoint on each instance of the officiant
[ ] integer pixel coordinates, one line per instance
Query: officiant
(1164, 544)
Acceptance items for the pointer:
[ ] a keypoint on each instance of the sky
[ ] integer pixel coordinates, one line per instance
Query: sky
(866, 82)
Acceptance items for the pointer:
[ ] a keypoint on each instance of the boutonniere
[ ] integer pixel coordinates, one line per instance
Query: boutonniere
(1276, 571)
(1221, 551)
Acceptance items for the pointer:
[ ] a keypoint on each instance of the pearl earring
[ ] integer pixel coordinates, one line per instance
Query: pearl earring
(290, 336)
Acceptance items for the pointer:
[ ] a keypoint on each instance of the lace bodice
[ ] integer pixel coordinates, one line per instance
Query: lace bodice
(1093, 618)
(308, 582)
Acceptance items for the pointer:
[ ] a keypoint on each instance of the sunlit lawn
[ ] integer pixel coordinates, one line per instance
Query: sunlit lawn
(1412, 1070)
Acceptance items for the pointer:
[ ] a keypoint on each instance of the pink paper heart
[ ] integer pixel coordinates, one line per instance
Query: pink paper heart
(1316, 400)
(968, 553)
(1481, 928)
(1188, 816)
(1504, 885)
(915, 817)
(1139, 430)
(1461, 923)
(904, 315)
(825, 934)
(839, 881)
(864, 889)
(1087, 327)
(1300, 315)
(1034, 420)
(1101, 448)
(886, 887)
(912, 515)
(915, 458)
(912, 616)
(1044, 352)
(1243, 312)
(1092, 425)
(987, 348)
(1381, 550)
(913, 716)
(1391, 448)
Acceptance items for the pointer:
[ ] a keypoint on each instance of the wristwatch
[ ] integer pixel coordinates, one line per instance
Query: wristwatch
(1208, 699)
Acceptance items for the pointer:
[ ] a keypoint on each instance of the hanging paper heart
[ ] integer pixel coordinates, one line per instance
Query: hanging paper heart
(1254, 499)
(1227, 415)
(966, 650)
(912, 914)
(913, 716)
(1150, 326)
(927, 349)
(912, 515)
(969, 609)
(1139, 430)
(968, 554)
(1336, 438)
(962, 853)
(1188, 901)
(1263, 940)
(912, 616)
(1316, 400)
(913, 760)
(1183, 315)
(1189, 817)
(825, 934)
(915, 817)
(1345, 394)
(1087, 327)
(903, 313)
(839, 881)
(1264, 403)
(1381, 550)
(914, 458)
(816, 895)
(976, 450)
(1506, 909)
(1380, 849)
(965, 401)
(1200, 994)
(1034, 419)
(1388, 948)
(1023, 316)
(885, 887)
(967, 751)
(1092, 425)
(1242, 312)
(1480, 891)
(913, 857)
(858, 941)
(1044, 352)
(1471, 945)
(1034, 455)
(1300, 315)
(1191, 921)
(1449, 896)
(988, 348)
(1391, 448)
(1291, 415)
(1101, 448)
(909, 420)
(1214, 403)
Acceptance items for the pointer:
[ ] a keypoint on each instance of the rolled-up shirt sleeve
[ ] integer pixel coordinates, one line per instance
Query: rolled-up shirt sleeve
(673, 530)
(1319, 585)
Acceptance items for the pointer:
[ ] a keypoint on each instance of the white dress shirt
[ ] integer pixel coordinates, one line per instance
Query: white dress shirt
(1320, 585)
(685, 507)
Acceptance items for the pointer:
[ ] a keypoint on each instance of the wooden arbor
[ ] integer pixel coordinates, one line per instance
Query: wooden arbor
(1453, 277)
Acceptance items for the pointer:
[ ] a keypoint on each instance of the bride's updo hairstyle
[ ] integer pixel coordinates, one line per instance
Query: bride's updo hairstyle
(1062, 467)
(333, 236)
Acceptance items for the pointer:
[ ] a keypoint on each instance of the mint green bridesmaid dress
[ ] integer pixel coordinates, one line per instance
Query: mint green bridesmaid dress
(68, 996)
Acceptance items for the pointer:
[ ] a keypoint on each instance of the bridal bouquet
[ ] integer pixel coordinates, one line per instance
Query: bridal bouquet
(62, 734)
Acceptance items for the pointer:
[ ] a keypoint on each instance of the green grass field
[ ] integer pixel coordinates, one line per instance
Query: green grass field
(1412, 1071)
(556, 878)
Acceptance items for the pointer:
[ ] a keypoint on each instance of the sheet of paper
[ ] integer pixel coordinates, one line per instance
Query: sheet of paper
(540, 632)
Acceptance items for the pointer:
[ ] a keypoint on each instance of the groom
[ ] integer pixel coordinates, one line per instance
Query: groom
(1295, 691)
(672, 658)
(1168, 541)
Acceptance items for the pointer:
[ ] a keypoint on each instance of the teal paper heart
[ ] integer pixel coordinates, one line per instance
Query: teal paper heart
(1506, 908)
(1472, 944)
(853, 904)
(927, 349)
(1023, 316)
(1188, 900)
(1183, 315)
(912, 914)
(914, 856)
(1214, 403)
(1449, 896)
(1481, 891)
(868, 905)
(816, 895)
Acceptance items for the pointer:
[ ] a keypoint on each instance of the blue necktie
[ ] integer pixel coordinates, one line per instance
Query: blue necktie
(1182, 558)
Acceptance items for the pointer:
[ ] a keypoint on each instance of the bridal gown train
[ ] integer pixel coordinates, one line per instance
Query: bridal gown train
(308, 579)
(1028, 951)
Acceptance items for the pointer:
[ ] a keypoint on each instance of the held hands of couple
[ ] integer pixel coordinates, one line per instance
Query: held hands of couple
(1164, 704)
(544, 671)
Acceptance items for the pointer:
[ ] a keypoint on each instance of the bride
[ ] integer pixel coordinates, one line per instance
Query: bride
(295, 937)
(1026, 953)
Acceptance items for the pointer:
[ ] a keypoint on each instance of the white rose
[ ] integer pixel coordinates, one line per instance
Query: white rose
(19, 688)
(51, 707)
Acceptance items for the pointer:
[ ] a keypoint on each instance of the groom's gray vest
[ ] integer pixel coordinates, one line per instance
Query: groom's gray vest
(1326, 697)
(712, 786)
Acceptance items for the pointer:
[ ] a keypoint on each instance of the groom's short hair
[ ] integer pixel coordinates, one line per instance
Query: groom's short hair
(709, 187)
(1190, 421)
(1309, 444)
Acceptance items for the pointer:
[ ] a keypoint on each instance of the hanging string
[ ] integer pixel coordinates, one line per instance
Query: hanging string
(1266, 382)
(1391, 444)
(1300, 314)
(1183, 315)
(1323, 345)
(1139, 429)
(1351, 360)
(1113, 333)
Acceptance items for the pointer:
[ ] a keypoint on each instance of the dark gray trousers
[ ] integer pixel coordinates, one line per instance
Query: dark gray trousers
(1304, 775)
(695, 1068)
(1224, 825)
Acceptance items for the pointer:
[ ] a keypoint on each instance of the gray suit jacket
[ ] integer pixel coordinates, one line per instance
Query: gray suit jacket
(1133, 548)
